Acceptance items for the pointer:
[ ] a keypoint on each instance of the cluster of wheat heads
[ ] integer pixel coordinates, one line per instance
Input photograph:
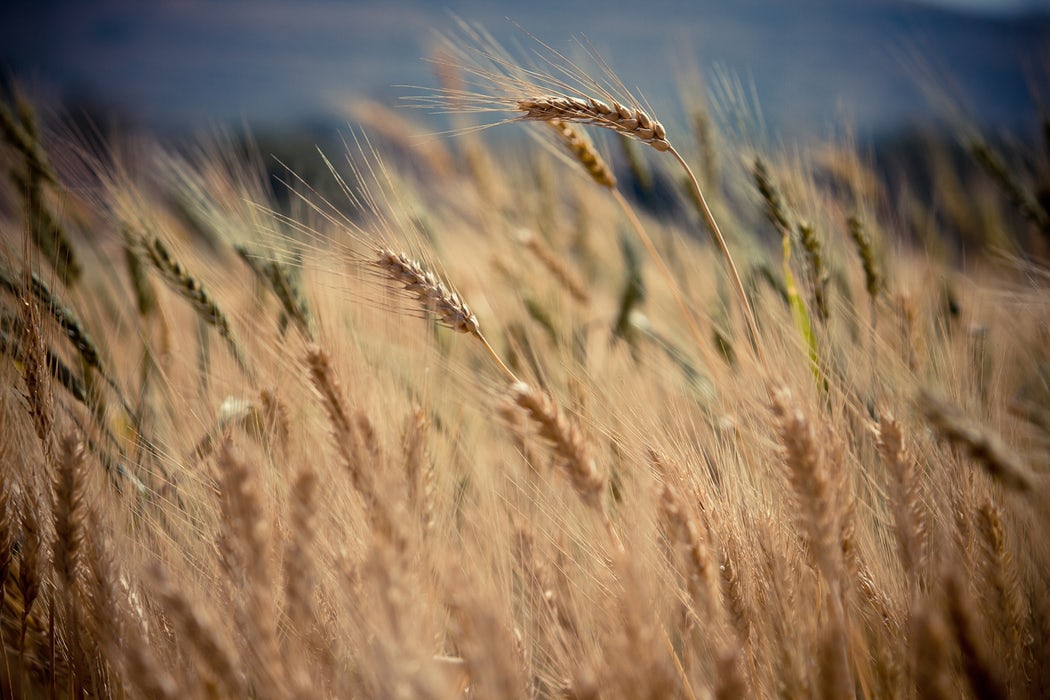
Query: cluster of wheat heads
(264, 449)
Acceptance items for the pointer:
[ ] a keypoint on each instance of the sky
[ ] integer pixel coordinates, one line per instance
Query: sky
(993, 6)
(189, 63)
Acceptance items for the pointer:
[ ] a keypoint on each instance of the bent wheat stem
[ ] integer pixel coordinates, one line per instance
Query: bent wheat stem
(749, 314)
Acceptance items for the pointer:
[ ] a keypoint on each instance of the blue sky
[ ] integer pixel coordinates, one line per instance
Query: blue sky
(191, 62)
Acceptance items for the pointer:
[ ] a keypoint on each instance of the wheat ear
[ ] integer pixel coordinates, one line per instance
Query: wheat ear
(776, 212)
(585, 152)
(435, 297)
(277, 276)
(632, 123)
(200, 632)
(814, 488)
(8, 528)
(68, 508)
(569, 447)
(189, 287)
(982, 444)
(1002, 577)
(686, 529)
(873, 282)
(248, 550)
(566, 439)
(906, 495)
(559, 268)
(31, 561)
(635, 124)
(982, 668)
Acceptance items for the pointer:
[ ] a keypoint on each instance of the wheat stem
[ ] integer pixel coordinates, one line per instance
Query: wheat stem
(749, 314)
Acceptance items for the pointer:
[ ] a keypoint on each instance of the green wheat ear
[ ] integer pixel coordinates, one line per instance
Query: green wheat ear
(800, 316)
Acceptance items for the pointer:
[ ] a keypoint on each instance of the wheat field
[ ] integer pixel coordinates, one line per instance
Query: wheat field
(485, 417)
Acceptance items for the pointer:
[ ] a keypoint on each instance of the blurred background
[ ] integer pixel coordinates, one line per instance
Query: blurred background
(184, 65)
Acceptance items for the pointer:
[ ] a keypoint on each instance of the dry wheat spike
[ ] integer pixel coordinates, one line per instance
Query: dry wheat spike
(435, 298)
(631, 122)
(585, 152)
(566, 440)
(429, 290)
